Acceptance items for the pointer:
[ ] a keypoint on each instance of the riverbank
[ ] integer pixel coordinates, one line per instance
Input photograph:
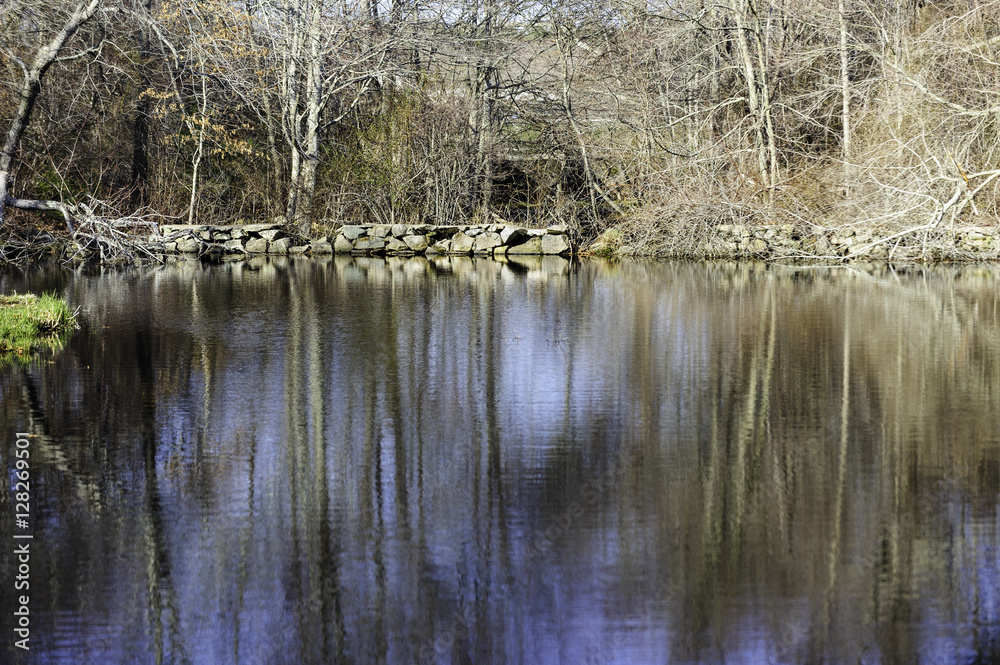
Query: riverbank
(790, 242)
(362, 239)
(697, 240)
(30, 323)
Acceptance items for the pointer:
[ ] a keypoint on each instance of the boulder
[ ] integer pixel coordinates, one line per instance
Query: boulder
(462, 243)
(342, 245)
(322, 247)
(556, 230)
(257, 228)
(256, 246)
(511, 235)
(233, 246)
(416, 243)
(353, 232)
(188, 246)
(485, 242)
(555, 244)
(271, 234)
(370, 245)
(394, 245)
(399, 230)
(531, 246)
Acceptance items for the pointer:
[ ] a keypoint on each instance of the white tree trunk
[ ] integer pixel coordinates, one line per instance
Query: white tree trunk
(30, 88)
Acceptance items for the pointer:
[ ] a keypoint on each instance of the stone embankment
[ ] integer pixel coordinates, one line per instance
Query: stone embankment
(363, 239)
(792, 242)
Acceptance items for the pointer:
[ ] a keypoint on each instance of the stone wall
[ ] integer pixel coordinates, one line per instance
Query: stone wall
(364, 239)
(805, 243)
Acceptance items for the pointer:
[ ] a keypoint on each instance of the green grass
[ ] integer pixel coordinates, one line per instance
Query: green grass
(30, 323)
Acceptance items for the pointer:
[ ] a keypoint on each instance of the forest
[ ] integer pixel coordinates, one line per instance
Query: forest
(652, 117)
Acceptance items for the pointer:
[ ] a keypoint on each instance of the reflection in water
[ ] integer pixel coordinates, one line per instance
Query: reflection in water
(457, 461)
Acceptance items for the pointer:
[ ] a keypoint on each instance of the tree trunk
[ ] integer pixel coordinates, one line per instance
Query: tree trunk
(138, 183)
(752, 44)
(845, 90)
(304, 185)
(32, 85)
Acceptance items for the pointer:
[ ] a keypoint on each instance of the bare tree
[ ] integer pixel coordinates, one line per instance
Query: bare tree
(40, 58)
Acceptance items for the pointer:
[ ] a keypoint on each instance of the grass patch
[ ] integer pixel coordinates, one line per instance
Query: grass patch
(30, 323)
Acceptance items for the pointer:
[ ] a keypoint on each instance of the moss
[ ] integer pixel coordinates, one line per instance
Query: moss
(30, 323)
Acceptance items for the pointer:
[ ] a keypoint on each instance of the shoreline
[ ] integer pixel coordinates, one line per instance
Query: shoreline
(695, 241)
(788, 242)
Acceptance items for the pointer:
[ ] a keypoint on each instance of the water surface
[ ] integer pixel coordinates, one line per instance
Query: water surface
(465, 461)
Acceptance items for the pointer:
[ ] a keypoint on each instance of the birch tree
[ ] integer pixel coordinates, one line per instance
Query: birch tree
(34, 61)
(323, 58)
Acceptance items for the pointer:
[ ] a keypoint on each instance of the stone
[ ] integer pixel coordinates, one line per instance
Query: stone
(416, 243)
(399, 230)
(531, 246)
(757, 246)
(233, 246)
(220, 236)
(322, 247)
(440, 247)
(485, 242)
(556, 229)
(342, 245)
(298, 249)
(167, 229)
(473, 231)
(461, 243)
(394, 245)
(188, 246)
(353, 232)
(257, 228)
(535, 233)
(370, 245)
(205, 235)
(511, 235)
(380, 231)
(272, 234)
(170, 247)
(237, 233)
(555, 244)
(256, 246)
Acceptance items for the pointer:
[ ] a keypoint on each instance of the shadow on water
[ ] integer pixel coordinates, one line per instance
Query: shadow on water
(458, 460)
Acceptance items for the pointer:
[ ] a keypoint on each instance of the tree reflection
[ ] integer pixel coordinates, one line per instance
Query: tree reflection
(456, 460)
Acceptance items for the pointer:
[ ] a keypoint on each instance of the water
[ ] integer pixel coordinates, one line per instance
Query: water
(462, 461)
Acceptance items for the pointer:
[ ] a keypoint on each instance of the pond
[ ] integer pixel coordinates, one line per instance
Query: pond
(468, 461)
